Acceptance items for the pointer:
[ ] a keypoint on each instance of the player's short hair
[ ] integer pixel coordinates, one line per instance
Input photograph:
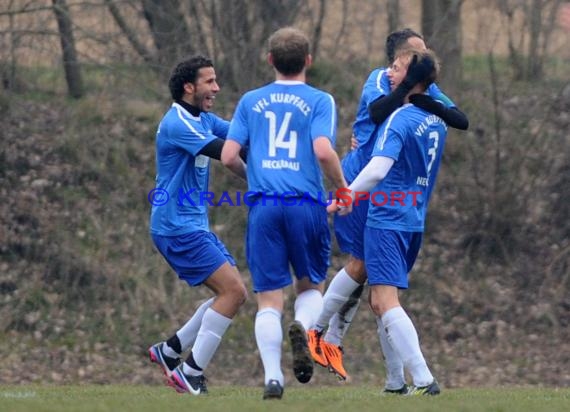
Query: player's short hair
(396, 40)
(409, 53)
(186, 72)
(289, 48)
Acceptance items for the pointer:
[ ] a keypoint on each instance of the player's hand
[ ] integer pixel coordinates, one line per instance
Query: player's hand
(344, 210)
(418, 71)
(333, 207)
(353, 143)
(338, 207)
(423, 101)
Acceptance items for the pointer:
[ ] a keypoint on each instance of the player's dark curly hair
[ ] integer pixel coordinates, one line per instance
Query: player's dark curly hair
(396, 40)
(186, 72)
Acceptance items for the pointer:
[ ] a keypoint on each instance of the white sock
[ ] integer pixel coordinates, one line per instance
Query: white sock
(404, 339)
(168, 351)
(395, 377)
(214, 325)
(340, 322)
(308, 305)
(187, 333)
(269, 337)
(338, 292)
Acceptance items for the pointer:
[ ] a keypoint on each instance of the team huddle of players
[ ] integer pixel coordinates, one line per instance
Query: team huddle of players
(398, 139)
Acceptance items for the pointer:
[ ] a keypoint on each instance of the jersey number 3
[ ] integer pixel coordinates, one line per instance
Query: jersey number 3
(277, 137)
(432, 151)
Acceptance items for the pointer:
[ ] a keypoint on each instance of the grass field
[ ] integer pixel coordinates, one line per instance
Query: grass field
(234, 398)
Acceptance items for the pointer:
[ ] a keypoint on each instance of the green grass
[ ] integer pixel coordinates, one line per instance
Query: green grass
(310, 398)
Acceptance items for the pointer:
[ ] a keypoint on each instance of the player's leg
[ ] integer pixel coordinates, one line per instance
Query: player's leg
(337, 300)
(265, 237)
(308, 241)
(388, 257)
(269, 338)
(395, 377)
(167, 354)
(341, 301)
(342, 297)
(203, 259)
(230, 292)
(185, 337)
(349, 232)
(179, 252)
(341, 320)
(308, 303)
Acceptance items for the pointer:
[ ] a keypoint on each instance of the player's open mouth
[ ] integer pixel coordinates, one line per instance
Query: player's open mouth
(209, 101)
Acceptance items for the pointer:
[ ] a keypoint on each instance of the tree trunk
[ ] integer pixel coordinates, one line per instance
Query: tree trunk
(539, 29)
(242, 30)
(534, 63)
(169, 31)
(441, 27)
(69, 54)
(318, 28)
(393, 9)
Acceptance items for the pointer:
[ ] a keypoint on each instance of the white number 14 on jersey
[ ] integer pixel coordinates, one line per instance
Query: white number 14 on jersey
(277, 138)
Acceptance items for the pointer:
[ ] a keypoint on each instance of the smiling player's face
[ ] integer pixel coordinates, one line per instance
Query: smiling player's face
(397, 71)
(204, 90)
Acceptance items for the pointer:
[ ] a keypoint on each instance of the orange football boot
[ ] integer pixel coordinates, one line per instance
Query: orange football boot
(314, 338)
(334, 355)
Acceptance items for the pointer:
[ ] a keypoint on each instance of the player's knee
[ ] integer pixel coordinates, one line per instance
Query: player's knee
(377, 308)
(240, 294)
(381, 306)
(234, 294)
(356, 270)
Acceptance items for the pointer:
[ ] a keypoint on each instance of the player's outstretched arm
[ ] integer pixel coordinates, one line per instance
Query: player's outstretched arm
(376, 170)
(329, 161)
(451, 115)
(330, 164)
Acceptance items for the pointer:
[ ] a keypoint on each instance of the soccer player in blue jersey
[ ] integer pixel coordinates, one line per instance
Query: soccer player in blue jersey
(377, 102)
(290, 128)
(187, 137)
(405, 159)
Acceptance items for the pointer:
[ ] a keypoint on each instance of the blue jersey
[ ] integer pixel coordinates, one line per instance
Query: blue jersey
(415, 140)
(182, 172)
(279, 122)
(364, 129)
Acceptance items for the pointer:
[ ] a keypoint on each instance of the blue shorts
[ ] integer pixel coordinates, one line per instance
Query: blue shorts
(194, 256)
(390, 255)
(349, 230)
(279, 235)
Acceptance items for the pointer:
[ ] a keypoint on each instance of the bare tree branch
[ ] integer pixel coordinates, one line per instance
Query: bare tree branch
(130, 34)
(340, 33)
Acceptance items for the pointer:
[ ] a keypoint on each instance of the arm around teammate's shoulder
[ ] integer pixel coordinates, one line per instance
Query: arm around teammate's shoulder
(451, 115)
